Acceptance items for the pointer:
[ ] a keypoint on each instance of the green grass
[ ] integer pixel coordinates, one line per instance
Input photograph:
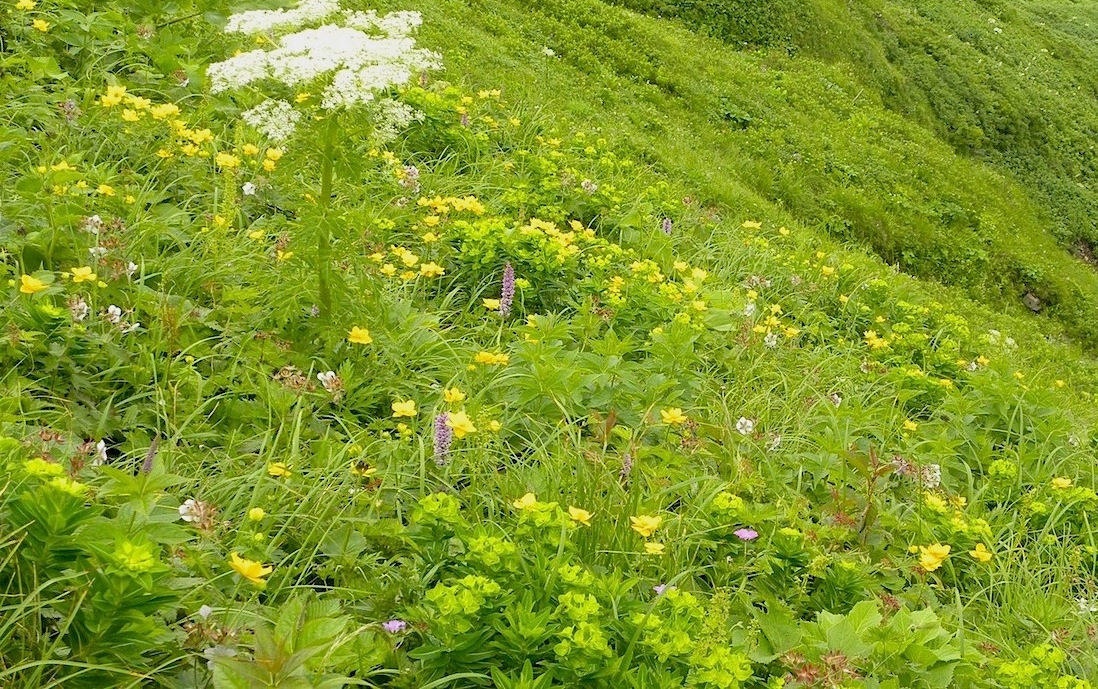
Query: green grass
(858, 322)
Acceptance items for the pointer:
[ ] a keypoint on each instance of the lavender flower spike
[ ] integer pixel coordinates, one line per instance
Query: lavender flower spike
(666, 226)
(394, 626)
(444, 435)
(507, 292)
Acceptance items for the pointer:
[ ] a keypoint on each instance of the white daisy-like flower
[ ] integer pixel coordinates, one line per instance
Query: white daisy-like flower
(248, 189)
(745, 426)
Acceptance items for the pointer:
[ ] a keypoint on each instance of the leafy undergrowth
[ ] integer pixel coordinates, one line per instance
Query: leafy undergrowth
(485, 400)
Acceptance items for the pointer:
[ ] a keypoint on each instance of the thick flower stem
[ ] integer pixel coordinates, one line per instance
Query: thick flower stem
(324, 239)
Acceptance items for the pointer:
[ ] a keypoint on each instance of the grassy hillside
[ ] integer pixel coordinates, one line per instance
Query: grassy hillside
(628, 356)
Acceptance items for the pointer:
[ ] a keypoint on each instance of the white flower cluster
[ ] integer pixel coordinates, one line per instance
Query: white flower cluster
(266, 21)
(360, 56)
(275, 118)
(393, 117)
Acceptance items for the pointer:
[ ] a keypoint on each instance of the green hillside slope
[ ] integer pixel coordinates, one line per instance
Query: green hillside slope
(631, 345)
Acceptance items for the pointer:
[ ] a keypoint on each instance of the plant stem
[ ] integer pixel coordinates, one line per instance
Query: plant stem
(324, 239)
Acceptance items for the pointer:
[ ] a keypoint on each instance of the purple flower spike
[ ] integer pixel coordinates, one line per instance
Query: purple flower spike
(507, 291)
(746, 534)
(666, 227)
(444, 435)
(394, 626)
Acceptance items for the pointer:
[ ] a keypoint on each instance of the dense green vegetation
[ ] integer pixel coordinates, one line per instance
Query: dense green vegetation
(634, 344)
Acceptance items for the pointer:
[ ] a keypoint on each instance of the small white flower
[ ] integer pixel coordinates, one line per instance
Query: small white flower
(745, 426)
(750, 310)
(131, 268)
(114, 314)
(187, 510)
(97, 251)
(835, 398)
(78, 308)
(548, 52)
(131, 327)
(100, 453)
(92, 224)
(771, 340)
(248, 188)
(204, 612)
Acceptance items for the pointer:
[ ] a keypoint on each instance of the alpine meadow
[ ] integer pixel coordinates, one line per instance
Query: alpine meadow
(518, 344)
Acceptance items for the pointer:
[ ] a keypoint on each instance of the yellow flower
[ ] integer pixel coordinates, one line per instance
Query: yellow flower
(130, 115)
(273, 154)
(783, 232)
(359, 336)
(453, 395)
(1061, 482)
(164, 111)
(751, 224)
(491, 304)
(249, 569)
(255, 234)
(31, 285)
(113, 96)
(302, 97)
(226, 160)
(201, 136)
(981, 553)
(25, 5)
(278, 469)
(431, 270)
(256, 514)
(494, 425)
(250, 150)
(935, 503)
(910, 425)
(580, 515)
(431, 220)
(460, 424)
(283, 255)
(653, 548)
(388, 269)
(491, 358)
(83, 274)
(41, 24)
(164, 153)
(406, 408)
(931, 557)
(646, 524)
(429, 237)
(526, 502)
(105, 190)
(673, 416)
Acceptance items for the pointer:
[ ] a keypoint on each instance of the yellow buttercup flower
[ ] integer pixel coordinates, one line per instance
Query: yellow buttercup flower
(981, 553)
(673, 416)
(653, 548)
(249, 569)
(25, 5)
(491, 358)
(105, 189)
(431, 270)
(453, 395)
(526, 502)
(646, 524)
(910, 425)
(256, 514)
(31, 285)
(278, 469)
(931, 557)
(41, 24)
(1061, 483)
(164, 111)
(460, 424)
(83, 274)
(226, 160)
(580, 515)
(491, 304)
(406, 408)
(359, 336)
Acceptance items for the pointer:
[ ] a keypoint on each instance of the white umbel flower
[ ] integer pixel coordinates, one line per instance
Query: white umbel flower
(266, 21)
(356, 55)
(275, 118)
